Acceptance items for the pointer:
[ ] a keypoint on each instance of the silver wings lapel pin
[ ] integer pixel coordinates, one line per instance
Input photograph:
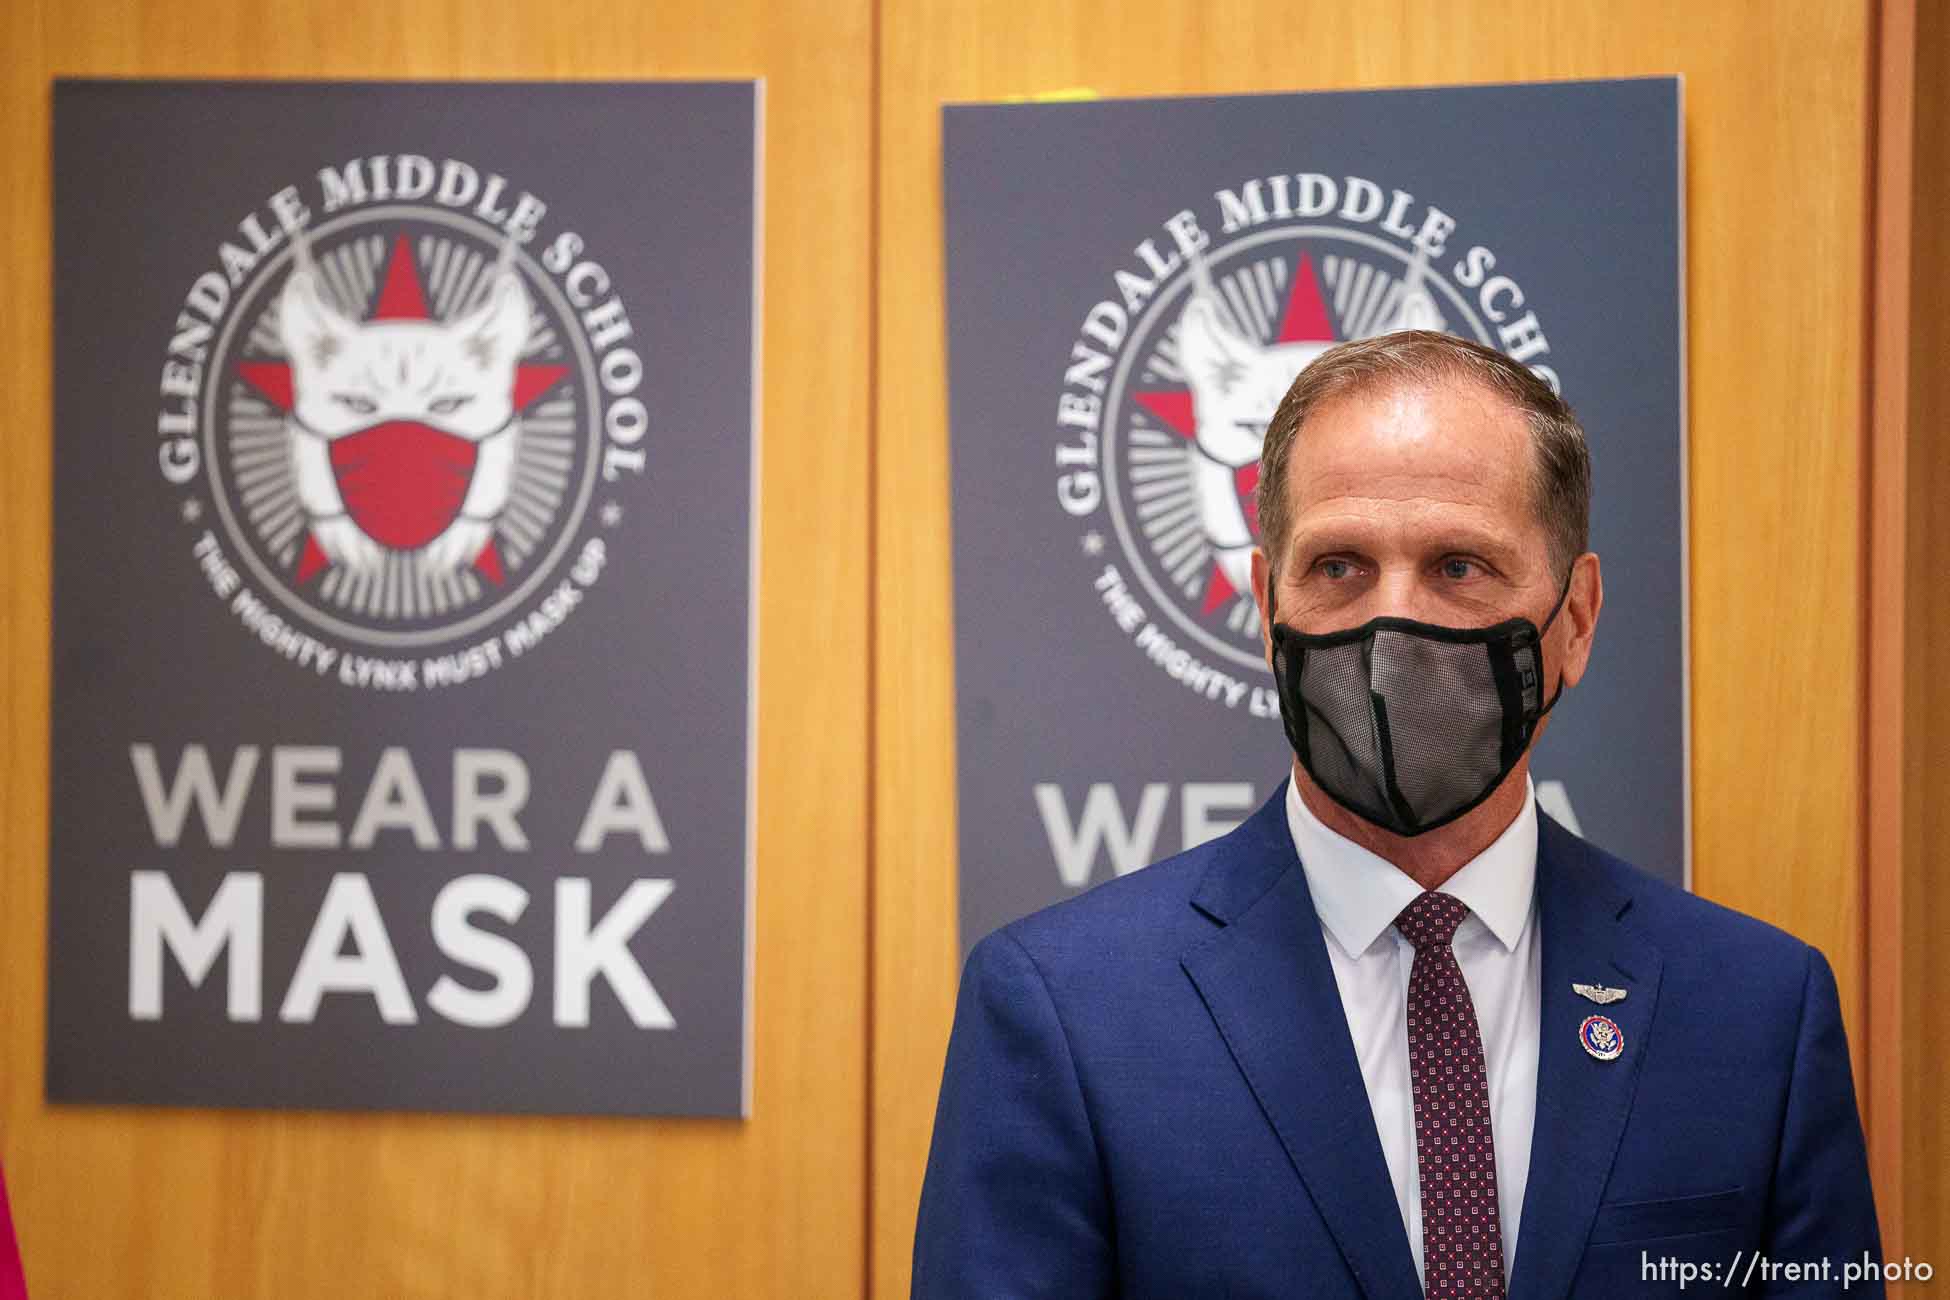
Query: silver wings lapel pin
(1599, 993)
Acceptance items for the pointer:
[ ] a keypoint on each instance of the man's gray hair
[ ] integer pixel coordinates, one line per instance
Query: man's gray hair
(1560, 478)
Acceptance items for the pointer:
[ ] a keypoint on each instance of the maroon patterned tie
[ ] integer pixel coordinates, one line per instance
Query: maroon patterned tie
(1462, 1244)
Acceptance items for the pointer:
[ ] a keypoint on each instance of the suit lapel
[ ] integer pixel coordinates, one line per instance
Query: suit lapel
(1266, 980)
(1582, 1102)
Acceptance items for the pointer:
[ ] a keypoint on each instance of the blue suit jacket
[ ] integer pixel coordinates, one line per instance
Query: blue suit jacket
(1151, 1091)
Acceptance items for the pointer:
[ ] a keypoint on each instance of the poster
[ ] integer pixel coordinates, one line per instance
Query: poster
(1113, 705)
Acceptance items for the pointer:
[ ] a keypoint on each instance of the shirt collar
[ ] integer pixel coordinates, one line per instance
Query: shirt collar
(1358, 894)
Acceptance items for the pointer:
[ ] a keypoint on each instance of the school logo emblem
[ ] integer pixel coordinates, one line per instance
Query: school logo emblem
(1173, 381)
(407, 438)
(398, 433)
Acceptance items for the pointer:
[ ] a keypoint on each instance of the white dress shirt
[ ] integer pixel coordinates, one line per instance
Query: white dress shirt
(1358, 896)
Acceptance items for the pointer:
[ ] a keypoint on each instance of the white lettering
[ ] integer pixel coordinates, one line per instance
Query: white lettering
(1075, 844)
(194, 780)
(514, 978)
(1203, 798)
(499, 808)
(581, 953)
(394, 801)
(234, 921)
(622, 802)
(371, 967)
(291, 796)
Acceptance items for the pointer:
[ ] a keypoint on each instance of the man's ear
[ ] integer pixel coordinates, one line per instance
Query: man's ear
(1582, 604)
(311, 329)
(1262, 592)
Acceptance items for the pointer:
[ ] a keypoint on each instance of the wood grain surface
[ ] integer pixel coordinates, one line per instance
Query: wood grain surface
(114, 1203)
(1925, 971)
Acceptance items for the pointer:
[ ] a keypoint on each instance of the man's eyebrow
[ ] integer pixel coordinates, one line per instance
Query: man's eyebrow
(1329, 541)
(1325, 541)
(1486, 544)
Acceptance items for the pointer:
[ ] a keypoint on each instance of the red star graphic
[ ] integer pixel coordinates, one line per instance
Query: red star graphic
(1304, 320)
(401, 297)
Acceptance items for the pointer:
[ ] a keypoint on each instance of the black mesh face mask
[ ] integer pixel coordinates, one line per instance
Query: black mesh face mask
(1410, 725)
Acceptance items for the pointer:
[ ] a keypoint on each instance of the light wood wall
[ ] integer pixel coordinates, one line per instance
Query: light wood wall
(114, 1204)
(1925, 1039)
(1776, 112)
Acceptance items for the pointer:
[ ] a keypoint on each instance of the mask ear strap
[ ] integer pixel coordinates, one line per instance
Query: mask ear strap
(1562, 596)
(1558, 694)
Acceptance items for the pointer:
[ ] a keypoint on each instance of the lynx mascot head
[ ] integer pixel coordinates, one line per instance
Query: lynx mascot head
(403, 431)
(1237, 383)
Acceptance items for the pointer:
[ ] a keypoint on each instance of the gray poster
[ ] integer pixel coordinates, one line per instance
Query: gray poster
(1113, 705)
(402, 718)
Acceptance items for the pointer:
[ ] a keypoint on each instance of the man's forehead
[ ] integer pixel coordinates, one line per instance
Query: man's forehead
(1415, 467)
(1450, 439)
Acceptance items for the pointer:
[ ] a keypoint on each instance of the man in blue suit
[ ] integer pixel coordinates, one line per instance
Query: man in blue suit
(1400, 1033)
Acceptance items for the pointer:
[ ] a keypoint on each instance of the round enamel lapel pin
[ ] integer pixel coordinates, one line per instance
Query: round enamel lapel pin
(1602, 1037)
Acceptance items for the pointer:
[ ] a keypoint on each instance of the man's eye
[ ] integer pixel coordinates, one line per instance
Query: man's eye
(448, 405)
(356, 404)
(1334, 570)
(1457, 569)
